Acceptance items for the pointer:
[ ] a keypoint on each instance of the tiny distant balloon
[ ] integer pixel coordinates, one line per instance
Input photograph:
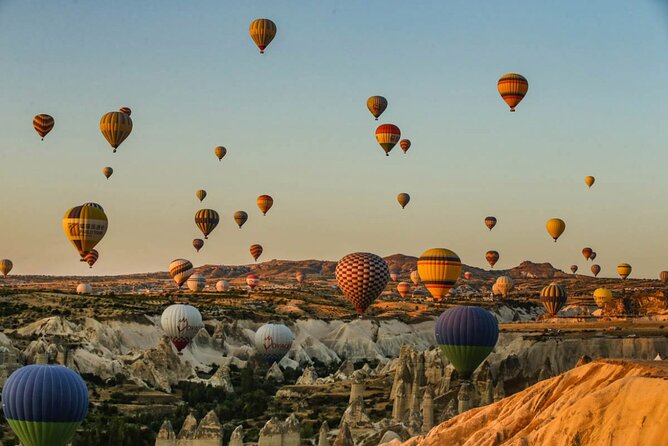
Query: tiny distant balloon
(595, 269)
(394, 275)
(43, 124)
(553, 297)
(196, 283)
(91, 257)
(403, 288)
(107, 171)
(492, 257)
(6, 266)
(262, 31)
(201, 195)
(388, 136)
(206, 220)
(125, 110)
(222, 286)
(589, 181)
(663, 276)
(220, 152)
(265, 202)
(376, 105)
(252, 281)
(602, 296)
(555, 227)
(592, 256)
(490, 222)
(405, 144)
(505, 285)
(180, 270)
(624, 270)
(84, 288)
(300, 277)
(403, 199)
(467, 275)
(240, 218)
(256, 251)
(198, 243)
(586, 253)
(115, 127)
(512, 88)
(415, 277)
(574, 269)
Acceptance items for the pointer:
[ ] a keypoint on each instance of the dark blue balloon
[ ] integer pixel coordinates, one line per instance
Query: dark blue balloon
(467, 326)
(45, 393)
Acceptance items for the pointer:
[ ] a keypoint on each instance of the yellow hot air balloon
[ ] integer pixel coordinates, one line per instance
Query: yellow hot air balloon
(115, 127)
(201, 195)
(220, 152)
(262, 31)
(403, 199)
(512, 88)
(85, 226)
(505, 285)
(555, 227)
(439, 269)
(589, 180)
(624, 269)
(265, 202)
(602, 296)
(6, 266)
(206, 220)
(376, 105)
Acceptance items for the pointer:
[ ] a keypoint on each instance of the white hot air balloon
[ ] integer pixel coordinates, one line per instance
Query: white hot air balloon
(222, 286)
(181, 323)
(84, 288)
(273, 341)
(196, 283)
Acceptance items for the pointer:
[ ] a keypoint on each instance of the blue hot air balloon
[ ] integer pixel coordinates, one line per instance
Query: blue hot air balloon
(44, 404)
(467, 335)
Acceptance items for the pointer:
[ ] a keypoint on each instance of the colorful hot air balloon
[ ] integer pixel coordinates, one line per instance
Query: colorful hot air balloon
(505, 285)
(180, 270)
(240, 218)
(595, 269)
(403, 288)
(300, 277)
(593, 255)
(125, 110)
(222, 286)
(91, 257)
(376, 105)
(439, 269)
(490, 222)
(403, 199)
(220, 152)
(394, 275)
(44, 404)
(206, 220)
(115, 127)
(586, 253)
(388, 136)
(624, 269)
(181, 323)
(415, 277)
(201, 195)
(467, 275)
(198, 243)
(252, 281)
(84, 288)
(362, 277)
(574, 269)
(589, 180)
(663, 275)
(196, 283)
(43, 124)
(492, 257)
(466, 335)
(265, 202)
(405, 144)
(273, 342)
(495, 289)
(256, 251)
(85, 226)
(553, 297)
(262, 31)
(6, 266)
(602, 296)
(555, 227)
(107, 171)
(512, 88)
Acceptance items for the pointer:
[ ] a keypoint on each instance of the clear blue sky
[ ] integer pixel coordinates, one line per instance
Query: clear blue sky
(296, 127)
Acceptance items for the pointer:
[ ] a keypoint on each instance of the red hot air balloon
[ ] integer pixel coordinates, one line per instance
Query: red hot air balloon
(388, 136)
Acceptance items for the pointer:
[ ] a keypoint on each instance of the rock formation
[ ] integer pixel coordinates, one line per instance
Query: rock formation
(308, 377)
(209, 432)
(322, 434)
(344, 438)
(237, 437)
(277, 433)
(427, 409)
(222, 379)
(275, 373)
(355, 415)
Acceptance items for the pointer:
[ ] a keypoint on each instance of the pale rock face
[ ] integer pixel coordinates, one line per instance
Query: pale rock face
(345, 371)
(355, 415)
(188, 429)
(275, 373)
(322, 434)
(237, 437)
(308, 378)
(344, 438)
(166, 431)
(161, 367)
(222, 379)
(209, 427)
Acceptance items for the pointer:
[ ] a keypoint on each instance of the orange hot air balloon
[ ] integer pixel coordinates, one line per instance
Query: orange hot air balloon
(265, 202)
(388, 136)
(439, 269)
(115, 127)
(589, 181)
(403, 199)
(256, 251)
(403, 288)
(92, 257)
(490, 222)
(405, 144)
(663, 276)
(492, 257)
(262, 31)
(624, 270)
(512, 88)
(376, 105)
(252, 281)
(198, 243)
(43, 124)
(586, 253)
(555, 227)
(595, 269)
(220, 152)
(467, 275)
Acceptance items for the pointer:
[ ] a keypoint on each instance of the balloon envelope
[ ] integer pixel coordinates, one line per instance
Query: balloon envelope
(586, 253)
(362, 277)
(198, 243)
(256, 251)
(492, 257)
(405, 144)
(6, 266)
(624, 269)
(43, 124)
(200, 194)
(206, 220)
(180, 270)
(663, 276)
(84, 288)
(403, 288)
(222, 285)
(553, 297)
(439, 269)
(264, 203)
(403, 199)
(589, 180)
(574, 268)
(115, 127)
(415, 277)
(196, 283)
(512, 88)
(376, 105)
(388, 136)
(252, 281)
(505, 285)
(85, 226)
(181, 323)
(602, 296)
(107, 171)
(240, 217)
(91, 257)
(490, 222)
(273, 342)
(555, 227)
(595, 269)
(220, 152)
(262, 31)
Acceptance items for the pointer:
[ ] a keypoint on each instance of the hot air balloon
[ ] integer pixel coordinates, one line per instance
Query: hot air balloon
(125, 110)
(91, 257)
(492, 257)
(415, 277)
(388, 136)
(403, 199)
(624, 269)
(300, 277)
(272, 342)
(495, 289)
(220, 152)
(505, 285)
(362, 277)
(466, 335)
(663, 275)
(198, 243)
(586, 253)
(180, 270)
(553, 297)
(602, 296)
(84, 288)
(595, 269)
(107, 171)
(439, 269)
(592, 256)
(490, 222)
(252, 281)
(555, 227)
(403, 288)
(512, 88)
(467, 275)
(405, 144)
(196, 283)
(201, 195)
(181, 323)
(44, 404)
(240, 218)
(85, 226)
(206, 220)
(574, 269)
(222, 286)
(115, 127)
(43, 124)
(376, 105)
(265, 202)
(6, 266)
(262, 31)
(589, 180)
(256, 251)
(394, 275)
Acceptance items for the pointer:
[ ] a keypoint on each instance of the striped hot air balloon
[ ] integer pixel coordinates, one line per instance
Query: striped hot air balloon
(595, 269)
(362, 277)
(602, 296)
(466, 335)
(107, 171)
(415, 277)
(403, 288)
(91, 257)
(198, 243)
(388, 136)
(115, 127)
(256, 251)
(495, 289)
(624, 270)
(512, 88)
(252, 281)
(200, 194)
(439, 269)
(273, 342)
(262, 31)
(553, 297)
(574, 269)
(403, 199)
(490, 222)
(240, 217)
(376, 105)
(206, 220)
(125, 110)
(196, 283)
(43, 124)
(505, 285)
(222, 286)
(405, 144)
(555, 227)
(586, 253)
(181, 323)
(44, 404)
(84, 288)
(663, 276)
(264, 203)
(6, 266)
(492, 257)
(85, 226)
(180, 270)
(220, 152)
